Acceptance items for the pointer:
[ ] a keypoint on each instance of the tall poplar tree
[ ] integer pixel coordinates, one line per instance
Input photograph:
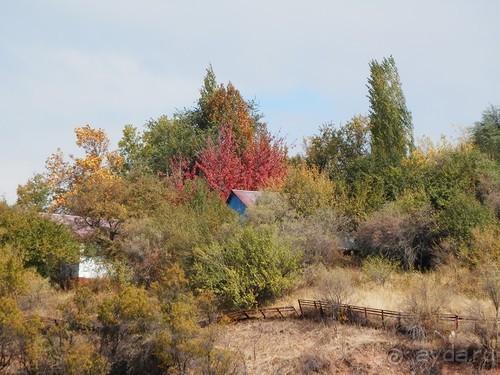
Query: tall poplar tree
(390, 120)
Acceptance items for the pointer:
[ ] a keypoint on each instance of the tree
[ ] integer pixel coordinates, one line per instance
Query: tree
(390, 120)
(47, 246)
(223, 105)
(486, 133)
(97, 166)
(307, 189)
(206, 93)
(336, 150)
(227, 106)
(227, 164)
(166, 138)
(36, 193)
(343, 153)
(90, 186)
(221, 164)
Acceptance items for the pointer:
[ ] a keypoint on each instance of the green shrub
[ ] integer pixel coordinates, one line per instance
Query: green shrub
(47, 246)
(460, 215)
(251, 267)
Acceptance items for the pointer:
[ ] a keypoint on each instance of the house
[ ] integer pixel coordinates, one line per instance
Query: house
(240, 200)
(88, 267)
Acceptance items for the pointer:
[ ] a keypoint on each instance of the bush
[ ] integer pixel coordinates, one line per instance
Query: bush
(11, 320)
(399, 236)
(125, 320)
(460, 215)
(319, 236)
(337, 286)
(47, 246)
(379, 269)
(270, 208)
(12, 273)
(423, 304)
(251, 267)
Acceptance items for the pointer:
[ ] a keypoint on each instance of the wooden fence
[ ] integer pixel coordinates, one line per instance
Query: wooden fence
(269, 312)
(378, 317)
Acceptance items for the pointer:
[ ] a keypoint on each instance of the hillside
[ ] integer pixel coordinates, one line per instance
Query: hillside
(310, 347)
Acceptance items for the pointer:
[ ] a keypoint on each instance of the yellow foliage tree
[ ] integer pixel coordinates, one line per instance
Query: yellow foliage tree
(90, 186)
(97, 165)
(308, 189)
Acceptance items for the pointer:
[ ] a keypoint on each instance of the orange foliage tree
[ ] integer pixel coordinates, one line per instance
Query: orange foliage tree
(89, 186)
(226, 106)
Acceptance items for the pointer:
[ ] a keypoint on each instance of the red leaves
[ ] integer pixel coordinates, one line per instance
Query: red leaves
(264, 160)
(220, 163)
(227, 165)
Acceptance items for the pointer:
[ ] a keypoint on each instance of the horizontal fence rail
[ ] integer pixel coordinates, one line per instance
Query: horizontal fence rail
(268, 312)
(370, 316)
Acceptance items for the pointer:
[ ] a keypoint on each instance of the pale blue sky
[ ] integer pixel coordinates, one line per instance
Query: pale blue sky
(108, 63)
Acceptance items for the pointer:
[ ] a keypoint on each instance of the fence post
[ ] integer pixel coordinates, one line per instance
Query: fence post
(383, 322)
(366, 317)
(456, 322)
(300, 307)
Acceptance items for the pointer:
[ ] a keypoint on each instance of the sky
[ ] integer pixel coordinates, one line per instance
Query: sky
(108, 63)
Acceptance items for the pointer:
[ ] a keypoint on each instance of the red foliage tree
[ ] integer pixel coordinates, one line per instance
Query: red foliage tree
(226, 166)
(264, 161)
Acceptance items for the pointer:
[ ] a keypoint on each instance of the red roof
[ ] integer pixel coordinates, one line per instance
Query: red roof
(248, 197)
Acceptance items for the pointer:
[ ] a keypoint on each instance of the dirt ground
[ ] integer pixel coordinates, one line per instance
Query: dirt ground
(298, 346)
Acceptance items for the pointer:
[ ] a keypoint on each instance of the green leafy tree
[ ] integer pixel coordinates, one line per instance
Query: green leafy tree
(166, 138)
(132, 150)
(162, 140)
(486, 133)
(344, 154)
(48, 246)
(390, 120)
(459, 215)
(35, 193)
(337, 150)
(206, 93)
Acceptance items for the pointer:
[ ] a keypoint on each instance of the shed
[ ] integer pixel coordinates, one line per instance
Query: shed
(240, 200)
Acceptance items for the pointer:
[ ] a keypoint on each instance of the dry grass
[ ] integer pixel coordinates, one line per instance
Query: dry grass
(304, 347)
(457, 286)
(297, 347)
